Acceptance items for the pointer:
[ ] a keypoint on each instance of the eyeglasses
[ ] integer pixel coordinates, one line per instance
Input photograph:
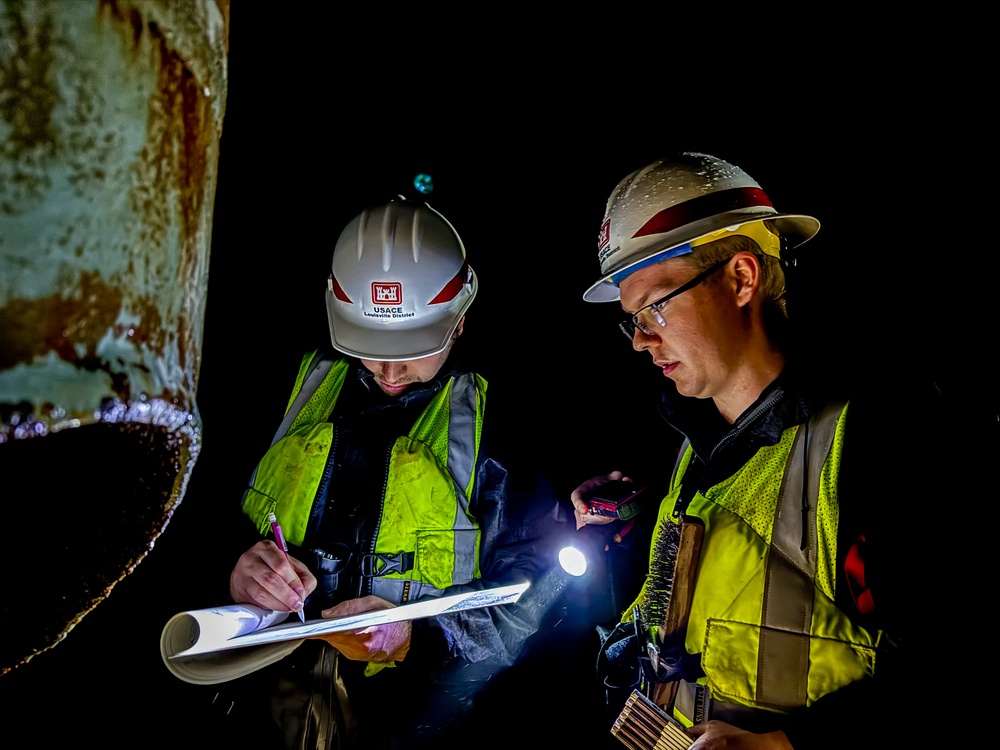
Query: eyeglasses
(644, 317)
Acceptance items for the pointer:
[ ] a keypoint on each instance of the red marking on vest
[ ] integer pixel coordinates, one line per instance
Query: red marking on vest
(854, 567)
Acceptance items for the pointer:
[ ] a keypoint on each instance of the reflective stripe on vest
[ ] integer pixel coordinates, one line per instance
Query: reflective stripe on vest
(791, 566)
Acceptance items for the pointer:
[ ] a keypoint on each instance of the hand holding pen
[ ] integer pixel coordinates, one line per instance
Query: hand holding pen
(255, 579)
(279, 538)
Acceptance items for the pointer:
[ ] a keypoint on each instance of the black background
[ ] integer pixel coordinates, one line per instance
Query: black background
(526, 133)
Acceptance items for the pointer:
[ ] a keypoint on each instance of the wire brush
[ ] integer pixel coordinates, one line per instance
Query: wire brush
(659, 581)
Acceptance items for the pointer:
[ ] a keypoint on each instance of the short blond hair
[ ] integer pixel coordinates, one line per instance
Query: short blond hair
(772, 276)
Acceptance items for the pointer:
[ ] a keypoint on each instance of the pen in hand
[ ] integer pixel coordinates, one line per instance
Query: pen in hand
(279, 537)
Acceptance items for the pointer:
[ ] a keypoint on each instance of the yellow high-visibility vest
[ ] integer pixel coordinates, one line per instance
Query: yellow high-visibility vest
(425, 521)
(762, 615)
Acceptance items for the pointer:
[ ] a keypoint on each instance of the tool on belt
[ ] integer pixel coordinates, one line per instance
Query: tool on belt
(643, 724)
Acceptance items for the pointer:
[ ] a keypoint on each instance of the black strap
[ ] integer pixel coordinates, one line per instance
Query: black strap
(374, 565)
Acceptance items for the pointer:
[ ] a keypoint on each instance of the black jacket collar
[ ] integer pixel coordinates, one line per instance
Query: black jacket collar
(720, 447)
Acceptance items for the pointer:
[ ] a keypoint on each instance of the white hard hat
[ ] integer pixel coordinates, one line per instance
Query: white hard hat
(668, 206)
(400, 283)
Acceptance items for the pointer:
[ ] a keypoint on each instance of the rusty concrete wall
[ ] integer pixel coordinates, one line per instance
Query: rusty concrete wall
(111, 115)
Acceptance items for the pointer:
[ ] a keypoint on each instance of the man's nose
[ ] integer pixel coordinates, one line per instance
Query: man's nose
(393, 371)
(642, 340)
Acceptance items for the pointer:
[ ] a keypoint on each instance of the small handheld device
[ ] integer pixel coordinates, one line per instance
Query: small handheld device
(617, 499)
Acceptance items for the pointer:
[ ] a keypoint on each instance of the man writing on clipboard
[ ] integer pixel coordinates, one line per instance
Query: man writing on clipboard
(386, 493)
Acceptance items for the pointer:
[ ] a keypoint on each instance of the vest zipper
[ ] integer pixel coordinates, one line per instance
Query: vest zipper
(369, 583)
(805, 488)
(748, 422)
(316, 514)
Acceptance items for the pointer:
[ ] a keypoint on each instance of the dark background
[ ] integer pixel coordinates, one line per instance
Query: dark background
(525, 139)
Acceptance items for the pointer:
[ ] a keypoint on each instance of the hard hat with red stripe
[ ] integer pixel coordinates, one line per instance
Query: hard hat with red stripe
(400, 283)
(674, 204)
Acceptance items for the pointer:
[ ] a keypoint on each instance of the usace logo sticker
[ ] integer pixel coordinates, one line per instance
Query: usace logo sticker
(604, 241)
(387, 293)
(389, 296)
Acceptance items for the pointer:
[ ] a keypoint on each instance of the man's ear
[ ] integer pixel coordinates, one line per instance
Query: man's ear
(460, 328)
(746, 270)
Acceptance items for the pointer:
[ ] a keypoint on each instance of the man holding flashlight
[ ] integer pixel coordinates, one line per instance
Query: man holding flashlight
(791, 616)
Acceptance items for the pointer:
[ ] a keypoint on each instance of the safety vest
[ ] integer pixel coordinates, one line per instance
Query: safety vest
(426, 539)
(762, 615)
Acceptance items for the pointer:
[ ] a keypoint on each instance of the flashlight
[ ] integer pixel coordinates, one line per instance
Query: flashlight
(573, 561)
